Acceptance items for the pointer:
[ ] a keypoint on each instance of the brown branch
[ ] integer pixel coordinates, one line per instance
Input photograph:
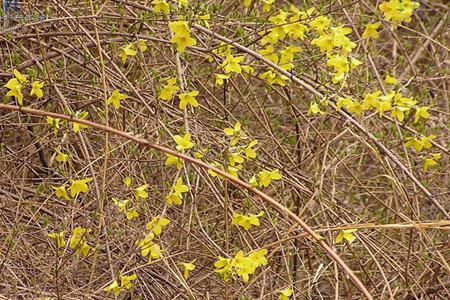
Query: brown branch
(277, 205)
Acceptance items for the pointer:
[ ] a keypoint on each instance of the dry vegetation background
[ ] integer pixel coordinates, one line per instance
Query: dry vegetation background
(337, 173)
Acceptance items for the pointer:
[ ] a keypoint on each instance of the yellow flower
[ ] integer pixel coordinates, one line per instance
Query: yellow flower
(113, 287)
(183, 3)
(235, 158)
(80, 115)
(247, 3)
(131, 214)
(220, 78)
(36, 89)
(247, 221)
(61, 157)
(157, 224)
(371, 100)
(419, 143)
(347, 234)
(235, 133)
(176, 194)
(78, 241)
(398, 10)
(54, 122)
(324, 42)
(267, 4)
(61, 192)
(187, 267)
(79, 186)
(398, 112)
(320, 24)
(126, 281)
(127, 181)
(115, 98)
(59, 237)
(274, 77)
(431, 160)
(169, 89)
(188, 98)
(173, 161)
(161, 5)
(421, 112)
(140, 192)
(15, 90)
(249, 151)
(390, 80)
(127, 50)
(269, 53)
(22, 78)
(183, 143)
(339, 63)
(314, 109)
(182, 35)
(371, 31)
(179, 188)
(285, 294)
(231, 64)
(265, 177)
(149, 248)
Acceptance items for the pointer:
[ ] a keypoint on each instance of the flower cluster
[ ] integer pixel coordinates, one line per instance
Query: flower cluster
(241, 265)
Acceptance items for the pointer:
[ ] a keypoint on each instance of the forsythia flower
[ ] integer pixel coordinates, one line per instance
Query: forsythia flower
(149, 248)
(431, 160)
(126, 283)
(390, 80)
(183, 143)
(54, 122)
(132, 49)
(80, 115)
(78, 241)
(398, 10)
(247, 221)
(265, 177)
(59, 237)
(176, 194)
(181, 35)
(320, 24)
(115, 98)
(161, 5)
(285, 294)
(61, 192)
(169, 89)
(234, 132)
(79, 186)
(314, 109)
(173, 161)
(123, 206)
(156, 224)
(371, 31)
(15, 86)
(61, 157)
(250, 153)
(419, 143)
(241, 265)
(140, 192)
(36, 89)
(187, 267)
(421, 112)
(113, 287)
(231, 64)
(188, 98)
(347, 234)
(220, 78)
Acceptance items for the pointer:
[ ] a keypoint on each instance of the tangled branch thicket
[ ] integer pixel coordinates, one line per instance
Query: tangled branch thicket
(336, 117)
